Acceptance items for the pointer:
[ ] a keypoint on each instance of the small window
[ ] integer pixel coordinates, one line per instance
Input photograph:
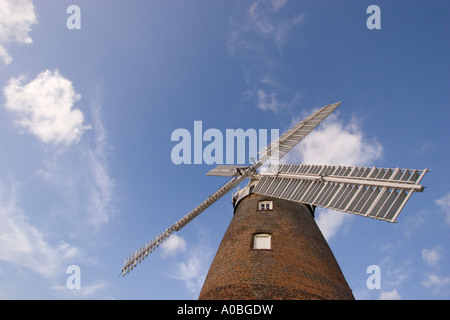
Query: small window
(265, 205)
(262, 241)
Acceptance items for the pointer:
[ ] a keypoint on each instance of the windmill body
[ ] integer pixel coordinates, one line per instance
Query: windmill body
(293, 261)
(273, 248)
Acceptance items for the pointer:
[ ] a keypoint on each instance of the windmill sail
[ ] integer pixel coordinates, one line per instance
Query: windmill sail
(379, 193)
(280, 147)
(276, 149)
(227, 170)
(132, 261)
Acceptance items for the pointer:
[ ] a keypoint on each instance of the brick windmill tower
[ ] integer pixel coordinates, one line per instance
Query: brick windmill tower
(273, 248)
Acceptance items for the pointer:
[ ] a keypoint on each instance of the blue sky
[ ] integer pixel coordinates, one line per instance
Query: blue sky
(86, 118)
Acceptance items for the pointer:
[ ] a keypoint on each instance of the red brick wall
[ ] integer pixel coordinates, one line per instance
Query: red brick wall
(300, 264)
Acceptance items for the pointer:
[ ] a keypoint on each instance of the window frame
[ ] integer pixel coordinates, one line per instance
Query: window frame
(263, 203)
(261, 235)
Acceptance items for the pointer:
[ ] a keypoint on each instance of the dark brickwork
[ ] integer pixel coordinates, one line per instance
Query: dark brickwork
(300, 264)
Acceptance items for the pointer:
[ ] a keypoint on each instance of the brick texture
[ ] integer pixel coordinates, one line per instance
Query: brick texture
(300, 264)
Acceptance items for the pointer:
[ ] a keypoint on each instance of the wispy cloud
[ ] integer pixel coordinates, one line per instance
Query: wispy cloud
(394, 275)
(444, 204)
(44, 105)
(101, 183)
(4, 55)
(252, 38)
(268, 102)
(438, 284)
(23, 245)
(82, 174)
(76, 170)
(261, 21)
(195, 262)
(432, 257)
(16, 20)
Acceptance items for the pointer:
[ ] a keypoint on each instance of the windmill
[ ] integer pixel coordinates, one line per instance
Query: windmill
(272, 248)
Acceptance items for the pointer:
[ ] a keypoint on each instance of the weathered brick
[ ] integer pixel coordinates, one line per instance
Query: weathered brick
(300, 264)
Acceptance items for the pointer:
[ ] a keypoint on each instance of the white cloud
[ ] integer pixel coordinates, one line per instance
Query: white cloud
(44, 107)
(268, 103)
(444, 204)
(334, 143)
(4, 55)
(173, 245)
(390, 295)
(24, 245)
(82, 175)
(329, 221)
(432, 256)
(80, 202)
(16, 19)
(193, 268)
